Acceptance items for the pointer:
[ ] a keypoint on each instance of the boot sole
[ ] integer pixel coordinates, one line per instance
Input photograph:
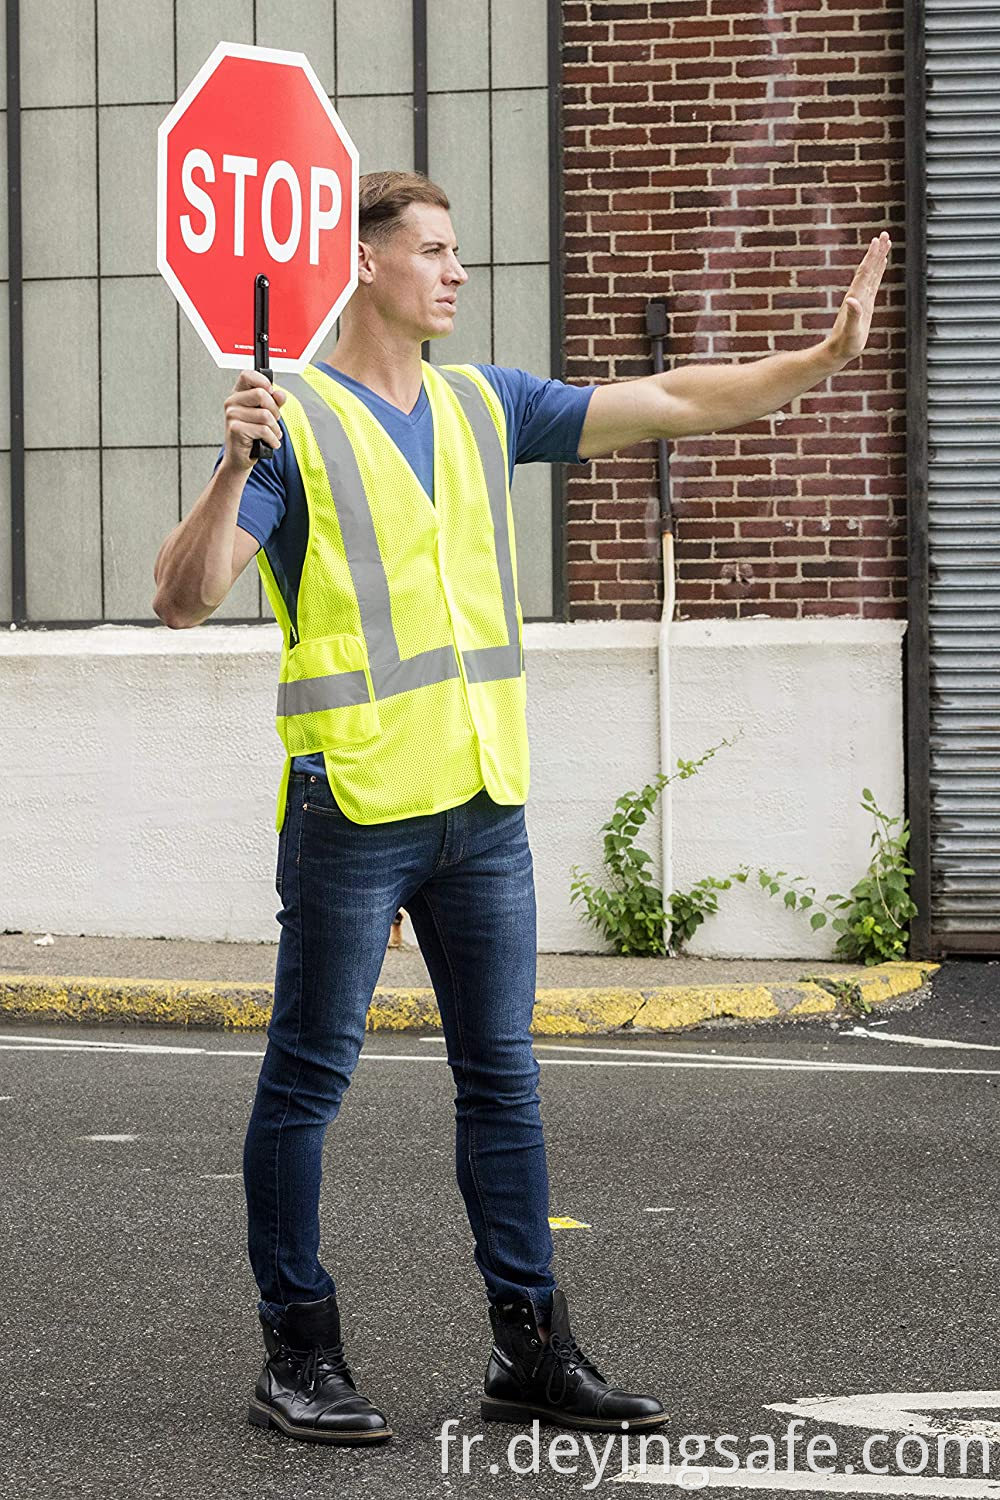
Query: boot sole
(259, 1415)
(508, 1411)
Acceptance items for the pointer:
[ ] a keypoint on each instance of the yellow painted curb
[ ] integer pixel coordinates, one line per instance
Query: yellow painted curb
(142, 1002)
(582, 1011)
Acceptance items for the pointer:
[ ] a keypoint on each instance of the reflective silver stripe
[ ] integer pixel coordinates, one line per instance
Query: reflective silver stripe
(489, 663)
(310, 695)
(436, 665)
(390, 673)
(356, 524)
(494, 461)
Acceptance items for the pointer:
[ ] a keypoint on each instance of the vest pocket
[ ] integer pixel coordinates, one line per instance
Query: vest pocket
(326, 697)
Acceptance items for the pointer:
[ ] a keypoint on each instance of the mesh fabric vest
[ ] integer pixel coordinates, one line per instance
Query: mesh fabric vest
(403, 663)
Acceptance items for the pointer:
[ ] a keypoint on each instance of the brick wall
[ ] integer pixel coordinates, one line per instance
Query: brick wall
(737, 158)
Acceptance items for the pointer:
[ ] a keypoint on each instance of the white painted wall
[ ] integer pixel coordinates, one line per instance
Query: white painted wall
(139, 768)
(817, 709)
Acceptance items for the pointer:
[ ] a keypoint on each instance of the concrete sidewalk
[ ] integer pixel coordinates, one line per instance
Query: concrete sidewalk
(228, 986)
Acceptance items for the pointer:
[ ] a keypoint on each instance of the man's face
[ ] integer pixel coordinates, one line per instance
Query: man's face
(417, 273)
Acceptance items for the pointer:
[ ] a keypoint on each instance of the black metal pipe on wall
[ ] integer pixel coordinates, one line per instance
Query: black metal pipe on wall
(15, 306)
(560, 588)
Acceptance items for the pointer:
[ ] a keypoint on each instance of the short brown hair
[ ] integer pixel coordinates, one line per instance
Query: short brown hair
(383, 198)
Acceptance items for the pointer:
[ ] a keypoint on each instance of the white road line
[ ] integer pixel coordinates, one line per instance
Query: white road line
(64, 1043)
(616, 1059)
(109, 1137)
(229, 1052)
(729, 1065)
(76, 1048)
(918, 1041)
(805, 1483)
(713, 1057)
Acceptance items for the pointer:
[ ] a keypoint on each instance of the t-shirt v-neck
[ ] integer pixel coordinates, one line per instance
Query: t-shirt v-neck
(412, 432)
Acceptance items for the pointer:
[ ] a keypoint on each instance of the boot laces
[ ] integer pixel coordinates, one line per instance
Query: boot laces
(568, 1357)
(322, 1361)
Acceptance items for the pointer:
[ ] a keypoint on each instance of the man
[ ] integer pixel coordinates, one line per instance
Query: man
(383, 531)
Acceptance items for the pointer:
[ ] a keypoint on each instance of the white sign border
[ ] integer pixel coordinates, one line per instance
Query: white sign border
(288, 59)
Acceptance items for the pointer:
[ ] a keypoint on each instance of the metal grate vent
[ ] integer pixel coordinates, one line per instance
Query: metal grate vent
(962, 145)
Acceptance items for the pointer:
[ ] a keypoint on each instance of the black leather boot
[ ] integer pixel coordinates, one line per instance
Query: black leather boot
(305, 1388)
(554, 1381)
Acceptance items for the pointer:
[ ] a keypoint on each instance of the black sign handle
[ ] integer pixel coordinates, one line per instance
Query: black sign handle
(261, 301)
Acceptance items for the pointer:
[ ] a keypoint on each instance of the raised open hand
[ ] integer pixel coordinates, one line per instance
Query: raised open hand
(849, 334)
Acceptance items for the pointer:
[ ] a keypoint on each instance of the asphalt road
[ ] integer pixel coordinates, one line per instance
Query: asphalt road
(760, 1232)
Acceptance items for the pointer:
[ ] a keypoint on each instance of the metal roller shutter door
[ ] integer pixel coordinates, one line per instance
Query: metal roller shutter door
(962, 208)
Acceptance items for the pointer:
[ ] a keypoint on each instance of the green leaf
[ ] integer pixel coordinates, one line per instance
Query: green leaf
(818, 919)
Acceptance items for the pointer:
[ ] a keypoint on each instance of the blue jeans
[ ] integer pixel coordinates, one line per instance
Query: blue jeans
(465, 876)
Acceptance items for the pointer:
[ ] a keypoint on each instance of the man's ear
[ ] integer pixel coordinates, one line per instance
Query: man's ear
(366, 263)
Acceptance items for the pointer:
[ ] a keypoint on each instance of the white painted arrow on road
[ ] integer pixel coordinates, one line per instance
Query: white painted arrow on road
(878, 1412)
(802, 1482)
(900, 1411)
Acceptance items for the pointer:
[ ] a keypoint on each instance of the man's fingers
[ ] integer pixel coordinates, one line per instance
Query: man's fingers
(869, 274)
(248, 378)
(866, 270)
(254, 380)
(854, 316)
(254, 396)
(251, 430)
(241, 417)
(874, 282)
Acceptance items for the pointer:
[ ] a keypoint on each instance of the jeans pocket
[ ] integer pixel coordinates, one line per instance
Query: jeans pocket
(294, 792)
(280, 867)
(278, 871)
(317, 797)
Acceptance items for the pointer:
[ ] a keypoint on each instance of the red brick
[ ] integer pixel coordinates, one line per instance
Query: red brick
(671, 186)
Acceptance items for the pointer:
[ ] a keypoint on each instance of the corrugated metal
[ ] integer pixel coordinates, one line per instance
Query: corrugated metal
(962, 43)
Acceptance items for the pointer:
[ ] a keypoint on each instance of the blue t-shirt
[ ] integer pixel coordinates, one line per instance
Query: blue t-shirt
(544, 422)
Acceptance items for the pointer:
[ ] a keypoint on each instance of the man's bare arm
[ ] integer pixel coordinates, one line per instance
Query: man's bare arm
(202, 557)
(694, 398)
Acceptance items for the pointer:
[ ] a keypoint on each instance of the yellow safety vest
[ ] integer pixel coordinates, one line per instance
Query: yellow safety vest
(404, 663)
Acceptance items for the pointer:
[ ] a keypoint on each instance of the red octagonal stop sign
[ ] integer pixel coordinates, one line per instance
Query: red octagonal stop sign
(257, 174)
